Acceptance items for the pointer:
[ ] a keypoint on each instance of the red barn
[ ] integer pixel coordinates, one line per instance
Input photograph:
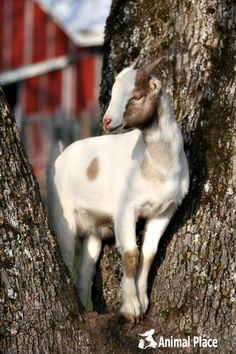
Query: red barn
(47, 75)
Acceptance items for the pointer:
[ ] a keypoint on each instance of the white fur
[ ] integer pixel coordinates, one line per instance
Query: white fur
(119, 195)
(121, 93)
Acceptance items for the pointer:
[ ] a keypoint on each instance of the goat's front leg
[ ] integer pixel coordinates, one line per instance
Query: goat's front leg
(154, 230)
(126, 242)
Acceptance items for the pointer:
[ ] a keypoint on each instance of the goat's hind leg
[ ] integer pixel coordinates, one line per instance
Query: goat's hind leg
(88, 255)
(65, 228)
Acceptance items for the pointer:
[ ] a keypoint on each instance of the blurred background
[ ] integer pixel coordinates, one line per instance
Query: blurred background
(50, 70)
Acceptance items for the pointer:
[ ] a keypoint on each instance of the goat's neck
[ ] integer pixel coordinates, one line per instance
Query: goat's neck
(163, 138)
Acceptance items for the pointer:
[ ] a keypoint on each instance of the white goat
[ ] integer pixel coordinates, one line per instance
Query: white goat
(115, 179)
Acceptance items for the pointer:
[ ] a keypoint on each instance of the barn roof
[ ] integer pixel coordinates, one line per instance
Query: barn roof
(82, 20)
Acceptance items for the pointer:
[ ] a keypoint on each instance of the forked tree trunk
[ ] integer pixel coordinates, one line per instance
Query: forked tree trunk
(192, 283)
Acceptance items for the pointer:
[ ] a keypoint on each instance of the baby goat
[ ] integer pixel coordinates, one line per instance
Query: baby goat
(114, 180)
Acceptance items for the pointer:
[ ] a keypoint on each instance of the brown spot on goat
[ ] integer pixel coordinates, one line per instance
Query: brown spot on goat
(130, 261)
(92, 170)
(150, 173)
(161, 151)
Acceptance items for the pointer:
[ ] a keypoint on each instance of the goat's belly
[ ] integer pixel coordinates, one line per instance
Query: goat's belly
(94, 222)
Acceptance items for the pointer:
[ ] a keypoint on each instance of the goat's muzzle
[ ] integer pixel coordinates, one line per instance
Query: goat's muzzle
(106, 122)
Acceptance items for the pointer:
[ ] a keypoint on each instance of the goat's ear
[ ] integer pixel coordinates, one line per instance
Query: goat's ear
(150, 67)
(136, 63)
(155, 84)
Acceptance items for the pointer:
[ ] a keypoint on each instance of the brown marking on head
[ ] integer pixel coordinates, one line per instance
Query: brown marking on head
(143, 105)
(92, 170)
(130, 262)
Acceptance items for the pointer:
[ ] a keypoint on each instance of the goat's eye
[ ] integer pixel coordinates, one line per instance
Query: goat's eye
(137, 97)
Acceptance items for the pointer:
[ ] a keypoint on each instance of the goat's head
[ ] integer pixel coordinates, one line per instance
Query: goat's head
(134, 98)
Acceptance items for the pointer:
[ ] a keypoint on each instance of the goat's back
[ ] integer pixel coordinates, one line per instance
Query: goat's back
(94, 170)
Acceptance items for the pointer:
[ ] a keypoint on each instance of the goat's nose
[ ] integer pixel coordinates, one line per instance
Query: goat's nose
(106, 121)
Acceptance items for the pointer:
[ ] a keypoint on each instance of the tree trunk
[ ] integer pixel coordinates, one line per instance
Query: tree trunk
(192, 287)
(40, 312)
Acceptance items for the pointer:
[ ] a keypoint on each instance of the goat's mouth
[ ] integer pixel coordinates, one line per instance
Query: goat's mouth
(115, 129)
(126, 125)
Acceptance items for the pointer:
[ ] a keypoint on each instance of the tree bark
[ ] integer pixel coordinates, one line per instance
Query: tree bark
(40, 312)
(192, 282)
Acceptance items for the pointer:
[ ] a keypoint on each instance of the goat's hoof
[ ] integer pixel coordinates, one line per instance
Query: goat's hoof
(131, 311)
(131, 318)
